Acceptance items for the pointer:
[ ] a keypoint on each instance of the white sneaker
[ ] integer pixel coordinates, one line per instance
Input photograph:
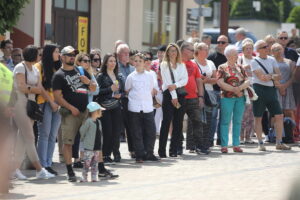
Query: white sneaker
(44, 174)
(19, 175)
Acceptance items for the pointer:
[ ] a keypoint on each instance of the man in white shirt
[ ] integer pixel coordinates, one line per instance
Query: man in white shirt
(265, 72)
(240, 35)
(139, 86)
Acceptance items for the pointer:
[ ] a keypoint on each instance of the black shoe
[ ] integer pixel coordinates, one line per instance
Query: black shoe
(107, 159)
(139, 160)
(180, 151)
(162, 155)
(52, 171)
(107, 174)
(117, 159)
(72, 177)
(173, 155)
(151, 157)
(77, 164)
(132, 155)
(203, 151)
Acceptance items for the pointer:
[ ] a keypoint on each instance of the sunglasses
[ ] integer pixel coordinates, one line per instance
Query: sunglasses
(147, 59)
(96, 60)
(283, 38)
(264, 47)
(70, 55)
(86, 61)
(221, 42)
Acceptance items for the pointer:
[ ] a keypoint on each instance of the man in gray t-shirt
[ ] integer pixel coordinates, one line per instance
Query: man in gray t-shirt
(265, 74)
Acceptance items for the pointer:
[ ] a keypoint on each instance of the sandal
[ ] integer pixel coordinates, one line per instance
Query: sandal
(224, 150)
(238, 149)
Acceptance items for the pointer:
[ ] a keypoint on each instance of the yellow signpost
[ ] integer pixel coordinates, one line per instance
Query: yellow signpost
(83, 34)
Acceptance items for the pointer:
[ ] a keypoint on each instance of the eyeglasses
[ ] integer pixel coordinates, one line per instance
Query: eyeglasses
(70, 55)
(283, 38)
(147, 59)
(17, 55)
(192, 50)
(86, 61)
(221, 42)
(96, 60)
(276, 50)
(264, 47)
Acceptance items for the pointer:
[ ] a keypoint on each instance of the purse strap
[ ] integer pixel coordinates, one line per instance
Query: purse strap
(25, 78)
(263, 67)
(171, 72)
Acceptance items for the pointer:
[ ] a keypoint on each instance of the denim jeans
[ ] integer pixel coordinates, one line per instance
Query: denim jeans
(48, 130)
(235, 107)
(215, 121)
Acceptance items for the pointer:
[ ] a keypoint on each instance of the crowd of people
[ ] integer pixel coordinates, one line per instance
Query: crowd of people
(88, 102)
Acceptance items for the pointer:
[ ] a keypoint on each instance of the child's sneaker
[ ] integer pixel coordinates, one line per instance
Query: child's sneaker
(44, 174)
(107, 174)
(261, 147)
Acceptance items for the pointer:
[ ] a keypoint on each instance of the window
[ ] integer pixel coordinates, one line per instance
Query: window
(83, 5)
(59, 3)
(71, 4)
(160, 22)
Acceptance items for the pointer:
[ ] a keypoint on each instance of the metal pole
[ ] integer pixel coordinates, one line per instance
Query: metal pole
(224, 17)
(201, 19)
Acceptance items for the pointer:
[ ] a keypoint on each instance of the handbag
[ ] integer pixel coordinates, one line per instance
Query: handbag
(32, 108)
(210, 98)
(110, 104)
(181, 91)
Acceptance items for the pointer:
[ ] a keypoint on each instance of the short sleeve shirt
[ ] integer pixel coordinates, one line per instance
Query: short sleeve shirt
(74, 91)
(33, 77)
(232, 76)
(269, 63)
(208, 70)
(193, 74)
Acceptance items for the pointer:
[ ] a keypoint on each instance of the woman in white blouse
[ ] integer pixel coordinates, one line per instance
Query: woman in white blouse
(173, 105)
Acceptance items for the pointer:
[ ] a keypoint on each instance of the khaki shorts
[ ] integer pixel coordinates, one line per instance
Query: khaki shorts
(70, 126)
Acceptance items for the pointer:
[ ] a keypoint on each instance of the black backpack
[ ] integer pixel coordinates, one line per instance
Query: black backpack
(289, 126)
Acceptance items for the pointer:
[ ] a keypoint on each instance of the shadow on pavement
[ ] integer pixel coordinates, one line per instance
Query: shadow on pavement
(16, 196)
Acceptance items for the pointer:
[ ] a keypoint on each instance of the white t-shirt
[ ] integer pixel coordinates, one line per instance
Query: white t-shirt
(140, 86)
(242, 60)
(208, 70)
(269, 63)
(32, 79)
(154, 79)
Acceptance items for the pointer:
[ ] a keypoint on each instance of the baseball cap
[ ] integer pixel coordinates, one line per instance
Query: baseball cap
(162, 48)
(68, 49)
(93, 106)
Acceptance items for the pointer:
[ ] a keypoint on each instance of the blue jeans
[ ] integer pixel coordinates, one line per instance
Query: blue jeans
(48, 130)
(236, 107)
(215, 120)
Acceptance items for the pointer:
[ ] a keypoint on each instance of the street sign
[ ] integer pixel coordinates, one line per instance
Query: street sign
(200, 2)
(206, 12)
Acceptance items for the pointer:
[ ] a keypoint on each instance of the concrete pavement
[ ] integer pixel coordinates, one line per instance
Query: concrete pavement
(246, 176)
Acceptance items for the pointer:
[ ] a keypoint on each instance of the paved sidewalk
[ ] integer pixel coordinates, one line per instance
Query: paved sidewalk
(251, 175)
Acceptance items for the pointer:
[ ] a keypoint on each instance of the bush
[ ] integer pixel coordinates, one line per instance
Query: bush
(294, 16)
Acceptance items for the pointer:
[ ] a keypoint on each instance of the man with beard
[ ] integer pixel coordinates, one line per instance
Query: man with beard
(70, 89)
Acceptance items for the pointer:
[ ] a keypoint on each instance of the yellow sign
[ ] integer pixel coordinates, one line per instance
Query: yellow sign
(83, 34)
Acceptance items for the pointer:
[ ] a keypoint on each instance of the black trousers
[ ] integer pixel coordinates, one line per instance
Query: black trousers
(197, 132)
(126, 124)
(143, 132)
(75, 146)
(111, 127)
(170, 113)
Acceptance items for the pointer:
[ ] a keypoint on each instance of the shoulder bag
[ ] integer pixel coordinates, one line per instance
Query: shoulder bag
(181, 91)
(210, 97)
(32, 108)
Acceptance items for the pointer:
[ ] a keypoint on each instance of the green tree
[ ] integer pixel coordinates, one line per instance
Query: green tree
(284, 7)
(244, 9)
(10, 11)
(294, 16)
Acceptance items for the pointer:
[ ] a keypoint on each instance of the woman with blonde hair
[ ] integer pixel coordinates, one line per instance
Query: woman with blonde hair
(174, 77)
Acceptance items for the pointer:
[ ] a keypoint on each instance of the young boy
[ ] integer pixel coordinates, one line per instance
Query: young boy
(91, 137)
(139, 86)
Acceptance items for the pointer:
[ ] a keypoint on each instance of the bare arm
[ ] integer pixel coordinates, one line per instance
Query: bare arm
(24, 88)
(261, 76)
